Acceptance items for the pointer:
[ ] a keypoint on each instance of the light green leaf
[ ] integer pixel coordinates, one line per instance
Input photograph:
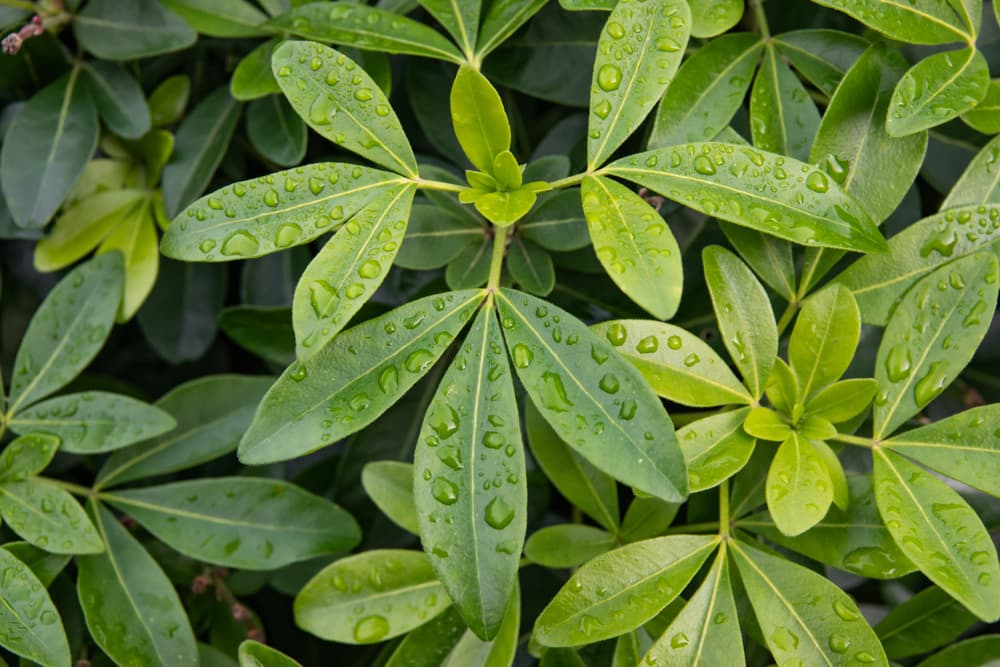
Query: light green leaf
(505, 208)
(647, 575)
(125, 587)
(635, 245)
(459, 17)
(48, 517)
(790, 200)
(707, 91)
(479, 118)
(211, 412)
(430, 644)
(530, 267)
(314, 199)
(30, 624)
(252, 77)
(67, 330)
(985, 117)
(502, 19)
(714, 17)
(220, 18)
(347, 384)
(821, 56)
(842, 400)
(390, 486)
(744, 315)
(118, 97)
(366, 28)
(498, 652)
(707, 631)
(370, 597)
(47, 146)
(939, 532)
(471, 435)
(349, 268)
(113, 31)
(338, 99)
(782, 388)
(802, 615)
(715, 448)
(255, 654)
(276, 130)
(435, 236)
(567, 545)
(783, 118)
(586, 487)
(937, 89)
(27, 456)
(570, 372)
(824, 339)
(931, 336)
(766, 424)
(799, 489)
(169, 99)
(975, 651)
(929, 619)
(917, 22)
(135, 239)
(557, 223)
(638, 54)
(82, 226)
(243, 522)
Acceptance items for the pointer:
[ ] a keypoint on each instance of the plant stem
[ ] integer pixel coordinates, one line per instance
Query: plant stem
(786, 317)
(724, 509)
(853, 440)
(496, 261)
(760, 18)
(568, 181)
(705, 527)
(69, 486)
(438, 185)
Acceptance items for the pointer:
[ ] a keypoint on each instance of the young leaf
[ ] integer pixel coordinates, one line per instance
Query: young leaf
(931, 336)
(766, 424)
(338, 99)
(83, 225)
(502, 19)
(939, 532)
(919, 22)
(349, 268)
(169, 99)
(479, 119)
(715, 448)
(30, 625)
(799, 489)
(118, 97)
(255, 654)
(366, 28)
(842, 400)
(639, 51)
(135, 238)
(48, 517)
(46, 147)
(113, 31)
(586, 487)
(634, 244)
(802, 615)
(821, 56)
(569, 372)
(27, 456)
(276, 131)
(473, 535)
(744, 315)
(125, 587)
(707, 631)
(252, 77)
(250, 218)
(94, 421)
(790, 200)
(67, 331)
(390, 486)
(783, 118)
(460, 19)
(530, 267)
(498, 652)
(937, 89)
(926, 621)
(505, 208)
(824, 339)
(220, 18)
(782, 388)
(567, 545)
(370, 597)
(618, 591)
(256, 524)
(347, 384)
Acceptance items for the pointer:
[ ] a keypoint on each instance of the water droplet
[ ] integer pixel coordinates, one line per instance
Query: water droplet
(602, 109)
(844, 611)
(609, 77)
(627, 409)
(444, 491)
(667, 44)
(443, 420)
(363, 94)
(898, 363)
(371, 629)
(322, 297)
(370, 269)
(931, 384)
(206, 246)
(287, 235)
(691, 360)
(680, 640)
(839, 643)
(703, 165)
(418, 361)
(451, 457)
(675, 342)
(553, 393)
(271, 198)
(522, 356)
(388, 380)
(617, 335)
(240, 244)
(818, 182)
(609, 384)
(648, 345)
(322, 109)
(615, 29)
(498, 513)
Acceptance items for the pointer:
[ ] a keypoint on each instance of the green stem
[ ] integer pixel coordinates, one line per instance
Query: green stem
(853, 440)
(438, 185)
(705, 527)
(786, 317)
(75, 489)
(568, 181)
(496, 261)
(809, 276)
(724, 509)
(760, 18)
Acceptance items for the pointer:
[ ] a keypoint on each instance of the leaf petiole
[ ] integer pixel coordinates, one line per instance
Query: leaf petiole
(853, 440)
(496, 260)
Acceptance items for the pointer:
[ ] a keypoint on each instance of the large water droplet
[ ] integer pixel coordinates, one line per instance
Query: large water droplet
(240, 244)
(444, 491)
(371, 629)
(553, 392)
(609, 77)
(522, 356)
(498, 513)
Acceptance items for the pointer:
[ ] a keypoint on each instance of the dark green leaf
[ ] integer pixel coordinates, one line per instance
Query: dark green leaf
(460, 19)
(530, 267)
(557, 223)
(276, 130)
(220, 18)
(30, 625)
(821, 56)
(919, 22)
(567, 545)
(48, 517)
(139, 29)
(252, 77)
(27, 456)
(119, 99)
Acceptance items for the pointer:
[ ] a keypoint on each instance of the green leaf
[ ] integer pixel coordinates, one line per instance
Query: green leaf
(715, 17)
(975, 651)
(586, 487)
(29, 623)
(370, 597)
(985, 117)
(471, 435)
(434, 237)
(430, 644)
(854, 540)
(471, 267)
(276, 131)
(479, 119)
(125, 587)
(647, 575)
(347, 384)
(766, 424)
(242, 522)
(202, 140)
(708, 89)
(366, 28)
(937, 89)
(135, 239)
(715, 448)
(744, 315)
(67, 330)
(939, 532)
(821, 56)
(569, 372)
(255, 654)
(338, 99)
(769, 257)
(262, 331)
(460, 19)
(567, 545)
(557, 223)
(220, 18)
(799, 489)
(27, 456)
(169, 99)
(118, 97)
(42, 564)
(634, 244)
(505, 208)
(314, 199)
(92, 422)
(48, 143)
(707, 631)
(83, 225)
(48, 517)
(842, 400)
(498, 652)
(748, 187)
(113, 31)
(783, 118)
(931, 336)
(918, 22)
(211, 413)
(802, 615)
(502, 19)
(824, 339)
(638, 54)
(530, 267)
(389, 484)
(252, 77)
(349, 268)
(647, 517)
(782, 388)
(506, 171)
(929, 619)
